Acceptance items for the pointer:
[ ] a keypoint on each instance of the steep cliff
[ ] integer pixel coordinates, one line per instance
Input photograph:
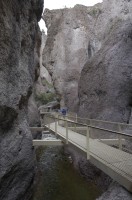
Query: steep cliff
(67, 49)
(44, 79)
(94, 43)
(105, 85)
(18, 70)
(43, 87)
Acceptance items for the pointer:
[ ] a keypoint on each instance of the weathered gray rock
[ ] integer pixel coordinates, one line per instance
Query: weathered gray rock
(43, 70)
(44, 83)
(33, 113)
(104, 88)
(45, 77)
(74, 36)
(116, 192)
(18, 70)
(66, 50)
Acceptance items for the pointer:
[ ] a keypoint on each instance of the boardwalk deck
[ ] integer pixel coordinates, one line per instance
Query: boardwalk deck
(114, 162)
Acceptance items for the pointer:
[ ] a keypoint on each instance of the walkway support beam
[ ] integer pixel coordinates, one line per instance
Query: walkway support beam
(47, 143)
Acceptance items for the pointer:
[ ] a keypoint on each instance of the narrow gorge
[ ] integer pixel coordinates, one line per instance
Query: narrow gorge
(82, 65)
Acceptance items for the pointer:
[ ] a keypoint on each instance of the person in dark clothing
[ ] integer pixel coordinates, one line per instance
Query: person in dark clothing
(63, 112)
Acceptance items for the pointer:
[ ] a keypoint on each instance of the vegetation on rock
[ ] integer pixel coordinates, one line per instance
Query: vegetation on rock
(45, 98)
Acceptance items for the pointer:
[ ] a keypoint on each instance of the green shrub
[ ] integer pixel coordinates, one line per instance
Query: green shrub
(46, 83)
(95, 12)
(45, 98)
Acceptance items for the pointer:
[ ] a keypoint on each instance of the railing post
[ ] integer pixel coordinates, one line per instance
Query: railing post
(41, 119)
(55, 127)
(66, 117)
(75, 127)
(76, 117)
(87, 143)
(66, 132)
(58, 119)
(89, 122)
(44, 120)
(49, 122)
(119, 137)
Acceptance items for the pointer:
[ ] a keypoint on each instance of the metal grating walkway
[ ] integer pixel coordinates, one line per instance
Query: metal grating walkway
(114, 162)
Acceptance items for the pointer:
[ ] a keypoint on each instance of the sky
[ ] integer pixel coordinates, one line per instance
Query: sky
(56, 4)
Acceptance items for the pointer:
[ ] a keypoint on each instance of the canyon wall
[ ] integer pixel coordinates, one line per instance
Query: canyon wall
(19, 39)
(67, 49)
(88, 55)
(42, 86)
(44, 79)
(105, 85)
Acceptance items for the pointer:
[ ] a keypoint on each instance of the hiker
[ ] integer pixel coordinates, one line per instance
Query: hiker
(63, 112)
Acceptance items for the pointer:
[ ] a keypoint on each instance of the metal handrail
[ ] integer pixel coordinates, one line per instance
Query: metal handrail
(96, 120)
(112, 152)
(90, 126)
(104, 121)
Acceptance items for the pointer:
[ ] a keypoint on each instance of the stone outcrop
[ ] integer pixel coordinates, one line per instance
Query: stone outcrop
(33, 113)
(18, 70)
(108, 94)
(105, 84)
(43, 86)
(44, 74)
(116, 192)
(66, 50)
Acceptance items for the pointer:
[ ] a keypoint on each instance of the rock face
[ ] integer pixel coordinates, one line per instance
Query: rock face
(18, 70)
(44, 74)
(43, 85)
(33, 113)
(116, 192)
(100, 35)
(66, 50)
(44, 80)
(105, 85)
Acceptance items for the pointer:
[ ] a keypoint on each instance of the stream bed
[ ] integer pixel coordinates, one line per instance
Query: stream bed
(57, 179)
